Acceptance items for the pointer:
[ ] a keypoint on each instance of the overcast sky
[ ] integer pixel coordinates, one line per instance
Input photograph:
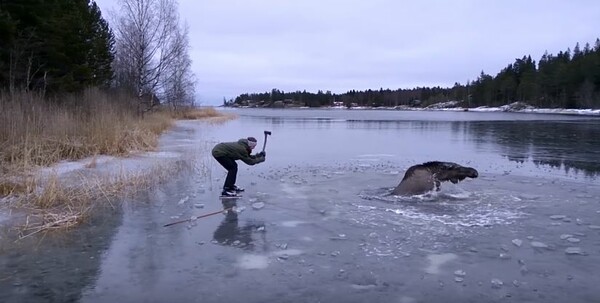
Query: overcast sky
(249, 46)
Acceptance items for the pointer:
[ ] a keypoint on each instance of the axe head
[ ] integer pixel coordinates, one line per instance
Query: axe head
(267, 132)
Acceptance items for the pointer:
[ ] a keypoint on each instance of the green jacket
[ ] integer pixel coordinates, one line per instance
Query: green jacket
(237, 151)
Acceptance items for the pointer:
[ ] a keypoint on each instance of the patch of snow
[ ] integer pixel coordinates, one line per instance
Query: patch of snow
(162, 154)
(288, 252)
(258, 205)
(538, 244)
(518, 106)
(249, 261)
(64, 167)
(436, 261)
(448, 104)
(183, 200)
(533, 110)
(517, 242)
(292, 223)
(3, 215)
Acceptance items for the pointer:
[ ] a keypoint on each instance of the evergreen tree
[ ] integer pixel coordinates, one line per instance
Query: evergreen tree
(570, 79)
(7, 36)
(102, 43)
(54, 45)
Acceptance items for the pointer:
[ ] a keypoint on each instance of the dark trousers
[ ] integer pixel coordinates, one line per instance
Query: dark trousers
(231, 167)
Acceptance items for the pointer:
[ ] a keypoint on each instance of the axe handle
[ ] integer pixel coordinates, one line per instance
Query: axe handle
(265, 143)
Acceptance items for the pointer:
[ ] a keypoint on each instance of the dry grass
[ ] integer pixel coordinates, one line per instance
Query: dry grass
(209, 114)
(56, 205)
(49, 221)
(190, 113)
(8, 188)
(37, 133)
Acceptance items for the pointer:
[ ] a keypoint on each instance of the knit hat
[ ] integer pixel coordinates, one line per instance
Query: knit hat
(251, 142)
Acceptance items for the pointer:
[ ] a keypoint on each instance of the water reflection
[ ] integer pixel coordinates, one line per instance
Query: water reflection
(559, 142)
(318, 123)
(55, 267)
(573, 146)
(230, 233)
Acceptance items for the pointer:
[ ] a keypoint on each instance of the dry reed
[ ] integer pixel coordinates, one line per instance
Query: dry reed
(58, 205)
(36, 132)
(208, 114)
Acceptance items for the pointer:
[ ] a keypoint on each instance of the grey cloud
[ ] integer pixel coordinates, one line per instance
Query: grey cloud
(256, 45)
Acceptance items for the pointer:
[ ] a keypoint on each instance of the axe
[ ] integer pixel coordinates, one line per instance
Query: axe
(267, 133)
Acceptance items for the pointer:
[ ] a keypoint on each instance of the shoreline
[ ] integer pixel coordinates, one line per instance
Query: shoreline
(103, 177)
(481, 109)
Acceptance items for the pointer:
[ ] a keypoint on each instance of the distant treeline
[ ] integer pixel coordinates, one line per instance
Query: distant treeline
(570, 79)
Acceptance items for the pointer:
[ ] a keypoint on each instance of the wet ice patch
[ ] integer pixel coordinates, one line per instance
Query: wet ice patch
(436, 261)
(368, 160)
(163, 154)
(293, 190)
(3, 215)
(363, 287)
(258, 205)
(376, 156)
(287, 252)
(62, 168)
(249, 261)
(574, 251)
(537, 244)
(405, 299)
(292, 223)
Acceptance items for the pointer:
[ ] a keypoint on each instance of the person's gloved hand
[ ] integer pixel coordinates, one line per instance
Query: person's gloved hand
(262, 154)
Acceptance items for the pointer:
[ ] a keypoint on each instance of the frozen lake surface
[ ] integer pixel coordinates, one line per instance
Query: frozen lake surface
(316, 225)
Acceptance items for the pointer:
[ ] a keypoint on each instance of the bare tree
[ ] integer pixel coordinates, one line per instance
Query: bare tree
(179, 81)
(150, 45)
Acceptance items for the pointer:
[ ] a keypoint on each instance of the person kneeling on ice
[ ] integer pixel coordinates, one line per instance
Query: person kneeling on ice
(226, 153)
